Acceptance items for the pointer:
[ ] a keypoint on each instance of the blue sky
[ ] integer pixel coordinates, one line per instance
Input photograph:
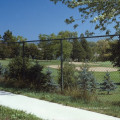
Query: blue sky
(29, 18)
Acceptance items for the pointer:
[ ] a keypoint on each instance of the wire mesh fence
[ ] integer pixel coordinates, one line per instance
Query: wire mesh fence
(85, 63)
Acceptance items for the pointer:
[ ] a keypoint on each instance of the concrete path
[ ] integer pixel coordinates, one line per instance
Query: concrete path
(47, 110)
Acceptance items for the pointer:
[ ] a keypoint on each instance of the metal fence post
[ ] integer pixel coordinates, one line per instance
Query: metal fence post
(23, 57)
(61, 42)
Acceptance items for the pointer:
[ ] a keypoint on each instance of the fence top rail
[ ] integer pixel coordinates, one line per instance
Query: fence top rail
(71, 38)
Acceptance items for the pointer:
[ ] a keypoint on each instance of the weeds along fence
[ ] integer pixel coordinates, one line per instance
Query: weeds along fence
(53, 53)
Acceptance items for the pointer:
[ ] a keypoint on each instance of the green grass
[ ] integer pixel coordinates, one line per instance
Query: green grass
(104, 64)
(47, 62)
(109, 104)
(57, 62)
(115, 76)
(10, 114)
(42, 62)
(5, 62)
(104, 105)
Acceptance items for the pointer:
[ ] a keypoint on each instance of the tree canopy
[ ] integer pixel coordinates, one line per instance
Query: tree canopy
(102, 12)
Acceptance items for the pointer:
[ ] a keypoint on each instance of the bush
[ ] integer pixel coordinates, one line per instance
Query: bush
(107, 84)
(50, 83)
(86, 83)
(68, 75)
(16, 68)
(36, 77)
(1, 69)
(31, 76)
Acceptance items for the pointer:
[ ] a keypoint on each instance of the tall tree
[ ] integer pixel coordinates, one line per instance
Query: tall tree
(0, 36)
(67, 45)
(86, 47)
(3, 51)
(102, 12)
(13, 48)
(78, 51)
(115, 53)
(45, 47)
(102, 48)
(31, 50)
(8, 37)
(21, 38)
(51, 49)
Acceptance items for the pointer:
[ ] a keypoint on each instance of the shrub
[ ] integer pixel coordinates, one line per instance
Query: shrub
(50, 83)
(16, 68)
(86, 82)
(107, 84)
(36, 77)
(68, 75)
(1, 69)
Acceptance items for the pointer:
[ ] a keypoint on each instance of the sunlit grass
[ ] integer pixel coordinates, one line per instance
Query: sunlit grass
(10, 114)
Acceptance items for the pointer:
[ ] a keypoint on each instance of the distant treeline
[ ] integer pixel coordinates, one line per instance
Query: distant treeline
(76, 50)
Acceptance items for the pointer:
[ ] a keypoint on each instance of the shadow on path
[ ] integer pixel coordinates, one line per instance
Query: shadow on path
(6, 93)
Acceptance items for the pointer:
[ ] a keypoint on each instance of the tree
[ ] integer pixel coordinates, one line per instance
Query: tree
(13, 48)
(50, 83)
(102, 12)
(8, 37)
(102, 47)
(0, 36)
(46, 47)
(21, 38)
(107, 84)
(68, 75)
(51, 49)
(3, 51)
(78, 51)
(115, 52)
(86, 47)
(94, 51)
(31, 50)
(86, 82)
(67, 46)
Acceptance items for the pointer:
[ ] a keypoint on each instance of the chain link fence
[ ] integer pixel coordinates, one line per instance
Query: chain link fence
(96, 52)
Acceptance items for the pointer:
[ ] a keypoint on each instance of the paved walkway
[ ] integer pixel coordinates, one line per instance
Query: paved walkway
(47, 110)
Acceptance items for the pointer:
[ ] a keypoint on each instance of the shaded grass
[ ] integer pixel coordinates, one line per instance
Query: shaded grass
(47, 62)
(5, 62)
(10, 114)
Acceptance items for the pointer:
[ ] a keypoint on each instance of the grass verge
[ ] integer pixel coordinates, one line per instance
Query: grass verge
(108, 108)
(10, 114)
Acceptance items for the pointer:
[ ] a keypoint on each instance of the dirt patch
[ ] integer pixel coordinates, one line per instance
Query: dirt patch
(101, 69)
(96, 69)
(80, 63)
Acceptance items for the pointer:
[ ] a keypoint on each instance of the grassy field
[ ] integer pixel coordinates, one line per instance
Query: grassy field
(109, 104)
(10, 114)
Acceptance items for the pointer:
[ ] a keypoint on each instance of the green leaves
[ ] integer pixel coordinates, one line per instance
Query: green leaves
(105, 12)
(70, 20)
